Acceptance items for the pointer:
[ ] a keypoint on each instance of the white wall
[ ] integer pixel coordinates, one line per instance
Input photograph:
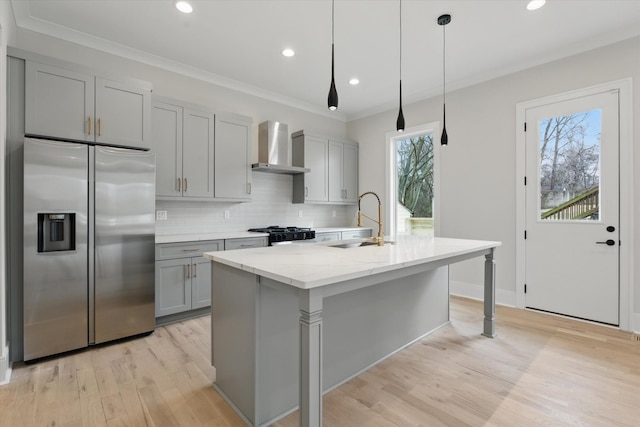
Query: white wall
(478, 167)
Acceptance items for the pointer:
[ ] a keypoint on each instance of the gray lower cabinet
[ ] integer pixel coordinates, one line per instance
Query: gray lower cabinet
(327, 237)
(245, 243)
(356, 234)
(183, 276)
(67, 104)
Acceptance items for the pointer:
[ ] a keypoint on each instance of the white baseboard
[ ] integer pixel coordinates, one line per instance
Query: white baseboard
(635, 327)
(474, 291)
(508, 298)
(5, 367)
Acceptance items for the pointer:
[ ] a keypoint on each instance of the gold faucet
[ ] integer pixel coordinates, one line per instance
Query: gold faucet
(380, 238)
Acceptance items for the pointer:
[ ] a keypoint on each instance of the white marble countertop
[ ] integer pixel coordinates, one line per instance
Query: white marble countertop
(197, 237)
(308, 266)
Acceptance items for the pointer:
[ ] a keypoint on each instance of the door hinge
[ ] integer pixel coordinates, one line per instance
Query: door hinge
(525, 126)
(525, 288)
(525, 234)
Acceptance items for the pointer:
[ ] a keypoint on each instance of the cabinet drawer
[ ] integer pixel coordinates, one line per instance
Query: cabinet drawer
(187, 249)
(357, 234)
(251, 242)
(326, 237)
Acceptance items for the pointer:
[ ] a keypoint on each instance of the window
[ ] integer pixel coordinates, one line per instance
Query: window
(411, 180)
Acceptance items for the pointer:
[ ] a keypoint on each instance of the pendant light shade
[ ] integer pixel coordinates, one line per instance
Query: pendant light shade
(332, 99)
(400, 120)
(444, 139)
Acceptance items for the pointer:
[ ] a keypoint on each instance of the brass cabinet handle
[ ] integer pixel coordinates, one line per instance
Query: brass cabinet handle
(89, 124)
(249, 188)
(179, 184)
(187, 271)
(186, 185)
(195, 270)
(306, 191)
(99, 127)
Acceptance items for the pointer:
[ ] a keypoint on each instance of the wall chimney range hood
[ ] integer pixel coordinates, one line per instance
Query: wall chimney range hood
(273, 150)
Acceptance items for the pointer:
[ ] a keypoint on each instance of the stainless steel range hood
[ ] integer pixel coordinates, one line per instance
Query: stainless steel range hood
(273, 150)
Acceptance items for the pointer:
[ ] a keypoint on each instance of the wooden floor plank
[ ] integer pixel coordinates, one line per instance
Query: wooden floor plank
(541, 369)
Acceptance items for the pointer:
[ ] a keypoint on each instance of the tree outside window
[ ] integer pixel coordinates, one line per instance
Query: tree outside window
(414, 170)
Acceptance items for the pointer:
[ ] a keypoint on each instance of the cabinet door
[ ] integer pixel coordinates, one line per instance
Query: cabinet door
(122, 114)
(167, 146)
(58, 103)
(315, 158)
(350, 172)
(232, 178)
(173, 286)
(200, 282)
(336, 193)
(245, 243)
(197, 154)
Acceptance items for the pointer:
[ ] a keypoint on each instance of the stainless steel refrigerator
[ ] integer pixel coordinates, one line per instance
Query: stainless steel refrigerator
(89, 231)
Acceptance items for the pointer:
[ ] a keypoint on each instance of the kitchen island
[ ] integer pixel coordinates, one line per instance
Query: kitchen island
(291, 322)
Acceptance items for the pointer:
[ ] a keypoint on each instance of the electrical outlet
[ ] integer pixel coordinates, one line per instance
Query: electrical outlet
(299, 214)
(226, 214)
(161, 215)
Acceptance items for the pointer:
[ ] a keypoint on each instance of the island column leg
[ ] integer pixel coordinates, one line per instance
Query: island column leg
(489, 295)
(310, 305)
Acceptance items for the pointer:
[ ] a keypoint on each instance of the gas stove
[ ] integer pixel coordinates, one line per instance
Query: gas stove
(280, 235)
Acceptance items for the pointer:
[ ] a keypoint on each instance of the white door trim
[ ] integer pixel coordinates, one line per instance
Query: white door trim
(626, 191)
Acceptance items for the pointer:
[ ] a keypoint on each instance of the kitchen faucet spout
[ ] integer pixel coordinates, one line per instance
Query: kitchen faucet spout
(380, 238)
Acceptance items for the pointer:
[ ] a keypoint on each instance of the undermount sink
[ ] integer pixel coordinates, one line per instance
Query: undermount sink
(354, 244)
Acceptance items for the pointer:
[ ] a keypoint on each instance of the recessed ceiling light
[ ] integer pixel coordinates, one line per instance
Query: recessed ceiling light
(535, 4)
(354, 81)
(288, 52)
(184, 6)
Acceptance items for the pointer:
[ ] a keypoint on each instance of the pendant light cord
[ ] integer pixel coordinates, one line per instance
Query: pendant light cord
(332, 19)
(444, 90)
(400, 41)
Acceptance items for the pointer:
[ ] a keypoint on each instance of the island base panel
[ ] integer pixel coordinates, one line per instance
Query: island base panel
(260, 319)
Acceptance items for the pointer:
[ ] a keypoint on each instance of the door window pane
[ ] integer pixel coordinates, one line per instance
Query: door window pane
(570, 166)
(414, 179)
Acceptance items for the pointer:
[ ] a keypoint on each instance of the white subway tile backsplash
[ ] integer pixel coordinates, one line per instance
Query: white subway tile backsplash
(270, 205)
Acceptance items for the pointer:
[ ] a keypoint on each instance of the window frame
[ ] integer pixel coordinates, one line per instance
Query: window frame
(391, 174)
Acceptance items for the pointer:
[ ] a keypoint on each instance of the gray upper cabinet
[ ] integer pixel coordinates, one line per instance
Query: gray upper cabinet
(343, 172)
(62, 103)
(232, 176)
(334, 170)
(310, 152)
(197, 153)
(183, 143)
(200, 155)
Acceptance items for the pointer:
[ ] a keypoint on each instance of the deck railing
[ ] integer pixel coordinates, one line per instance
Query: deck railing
(582, 206)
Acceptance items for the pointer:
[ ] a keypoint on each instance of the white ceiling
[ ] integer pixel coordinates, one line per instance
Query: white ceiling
(237, 43)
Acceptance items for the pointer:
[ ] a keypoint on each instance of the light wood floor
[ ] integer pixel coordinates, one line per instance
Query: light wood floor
(541, 370)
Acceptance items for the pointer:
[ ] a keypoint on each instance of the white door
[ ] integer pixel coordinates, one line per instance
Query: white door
(572, 207)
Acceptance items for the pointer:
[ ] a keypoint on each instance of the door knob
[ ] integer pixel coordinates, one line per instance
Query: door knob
(609, 242)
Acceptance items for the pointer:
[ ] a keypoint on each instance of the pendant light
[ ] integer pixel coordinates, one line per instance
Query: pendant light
(332, 99)
(444, 139)
(400, 121)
